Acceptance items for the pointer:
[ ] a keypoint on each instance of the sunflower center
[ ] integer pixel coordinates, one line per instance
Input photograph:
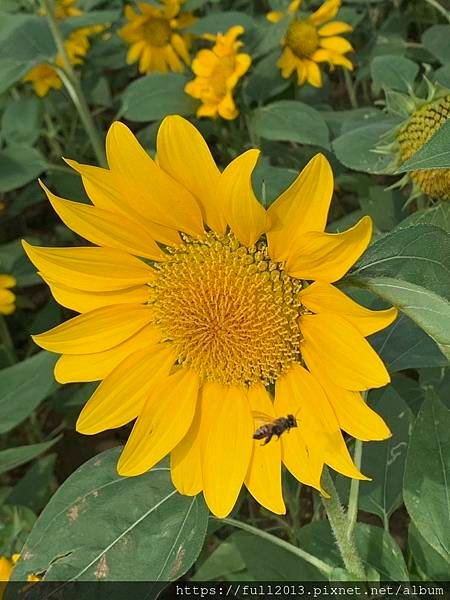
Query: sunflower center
(422, 125)
(230, 311)
(157, 32)
(302, 38)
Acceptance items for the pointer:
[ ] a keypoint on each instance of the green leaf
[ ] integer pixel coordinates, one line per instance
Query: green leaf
(21, 121)
(23, 387)
(393, 72)
(99, 525)
(435, 39)
(224, 560)
(220, 22)
(16, 524)
(291, 121)
(435, 154)
(430, 311)
(431, 565)
(35, 487)
(384, 461)
(154, 96)
(264, 80)
(438, 215)
(13, 457)
(94, 17)
(11, 71)
(18, 166)
(355, 149)
(404, 345)
(419, 254)
(427, 475)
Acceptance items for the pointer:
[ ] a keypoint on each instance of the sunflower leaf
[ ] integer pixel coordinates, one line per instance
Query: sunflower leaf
(427, 474)
(100, 526)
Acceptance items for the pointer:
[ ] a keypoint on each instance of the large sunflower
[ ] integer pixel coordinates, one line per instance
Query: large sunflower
(201, 310)
(311, 41)
(154, 36)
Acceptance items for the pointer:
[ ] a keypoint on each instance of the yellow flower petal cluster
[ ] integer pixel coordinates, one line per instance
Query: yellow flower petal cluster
(154, 38)
(44, 77)
(414, 134)
(7, 298)
(199, 310)
(217, 72)
(311, 41)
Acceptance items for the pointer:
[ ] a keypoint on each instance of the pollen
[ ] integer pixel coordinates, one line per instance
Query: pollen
(157, 32)
(422, 125)
(302, 38)
(230, 311)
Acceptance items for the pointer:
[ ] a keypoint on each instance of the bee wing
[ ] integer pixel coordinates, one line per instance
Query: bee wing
(261, 418)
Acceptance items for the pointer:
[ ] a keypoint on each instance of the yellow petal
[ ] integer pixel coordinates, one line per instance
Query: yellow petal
(7, 281)
(183, 153)
(105, 228)
(101, 187)
(301, 208)
(93, 269)
(335, 28)
(6, 297)
(336, 44)
(263, 479)
(317, 420)
(185, 458)
(328, 256)
(294, 6)
(97, 365)
(245, 215)
(97, 330)
(313, 74)
(120, 397)
(354, 415)
(82, 301)
(153, 193)
(274, 16)
(226, 446)
(323, 297)
(156, 431)
(326, 12)
(333, 346)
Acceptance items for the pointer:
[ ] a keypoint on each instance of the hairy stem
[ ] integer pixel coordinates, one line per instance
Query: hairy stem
(72, 85)
(352, 512)
(350, 89)
(444, 12)
(340, 526)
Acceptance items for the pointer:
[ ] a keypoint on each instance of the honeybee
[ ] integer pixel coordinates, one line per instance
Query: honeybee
(273, 427)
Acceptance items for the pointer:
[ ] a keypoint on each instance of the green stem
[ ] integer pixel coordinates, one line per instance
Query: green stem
(352, 512)
(339, 525)
(312, 560)
(350, 89)
(73, 86)
(6, 341)
(435, 4)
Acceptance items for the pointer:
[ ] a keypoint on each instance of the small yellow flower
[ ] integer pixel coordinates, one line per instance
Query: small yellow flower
(217, 73)
(154, 38)
(311, 41)
(196, 303)
(414, 134)
(44, 77)
(7, 298)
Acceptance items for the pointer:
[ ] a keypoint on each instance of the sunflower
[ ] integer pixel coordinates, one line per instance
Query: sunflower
(423, 118)
(311, 41)
(7, 298)
(153, 36)
(201, 310)
(217, 73)
(45, 77)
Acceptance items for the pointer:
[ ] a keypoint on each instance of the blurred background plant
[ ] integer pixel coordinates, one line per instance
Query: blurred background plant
(366, 83)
